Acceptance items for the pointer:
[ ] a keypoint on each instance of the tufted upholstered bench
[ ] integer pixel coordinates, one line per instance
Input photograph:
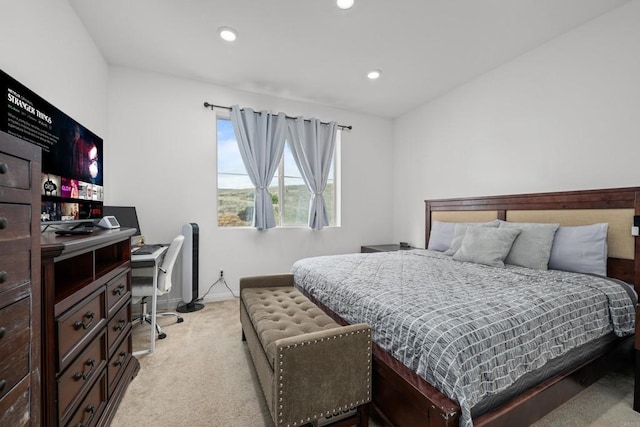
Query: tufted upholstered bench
(310, 368)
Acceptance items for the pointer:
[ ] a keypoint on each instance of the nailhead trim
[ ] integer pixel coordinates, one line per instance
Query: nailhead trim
(345, 407)
(315, 341)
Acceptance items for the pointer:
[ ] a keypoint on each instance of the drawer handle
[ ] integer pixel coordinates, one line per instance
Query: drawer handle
(4, 276)
(4, 168)
(89, 410)
(82, 376)
(3, 385)
(81, 325)
(121, 359)
(2, 331)
(120, 325)
(4, 223)
(119, 290)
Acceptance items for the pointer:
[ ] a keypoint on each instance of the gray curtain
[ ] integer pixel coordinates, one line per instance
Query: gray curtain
(261, 138)
(312, 145)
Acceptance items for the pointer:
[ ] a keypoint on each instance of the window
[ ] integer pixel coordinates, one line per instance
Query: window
(289, 193)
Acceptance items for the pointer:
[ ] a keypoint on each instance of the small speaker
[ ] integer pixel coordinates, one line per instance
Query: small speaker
(108, 222)
(190, 261)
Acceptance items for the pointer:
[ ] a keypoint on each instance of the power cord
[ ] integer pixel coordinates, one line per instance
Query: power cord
(220, 280)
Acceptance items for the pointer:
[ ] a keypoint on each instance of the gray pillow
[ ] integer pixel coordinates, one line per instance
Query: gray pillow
(582, 249)
(486, 245)
(532, 248)
(460, 229)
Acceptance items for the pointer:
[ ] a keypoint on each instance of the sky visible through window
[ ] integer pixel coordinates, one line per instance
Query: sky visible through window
(231, 170)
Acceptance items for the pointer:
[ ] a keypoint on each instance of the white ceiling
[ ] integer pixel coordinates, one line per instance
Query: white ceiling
(310, 50)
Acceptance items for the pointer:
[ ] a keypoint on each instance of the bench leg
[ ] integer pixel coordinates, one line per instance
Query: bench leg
(363, 415)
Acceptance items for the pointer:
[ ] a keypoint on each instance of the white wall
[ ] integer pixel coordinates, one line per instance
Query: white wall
(565, 116)
(162, 159)
(46, 48)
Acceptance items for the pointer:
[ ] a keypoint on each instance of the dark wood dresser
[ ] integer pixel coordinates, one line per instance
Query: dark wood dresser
(20, 164)
(86, 326)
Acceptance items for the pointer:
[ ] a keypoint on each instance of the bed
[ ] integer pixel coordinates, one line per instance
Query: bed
(407, 384)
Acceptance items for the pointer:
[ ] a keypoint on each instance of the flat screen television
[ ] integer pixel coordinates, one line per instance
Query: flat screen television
(72, 156)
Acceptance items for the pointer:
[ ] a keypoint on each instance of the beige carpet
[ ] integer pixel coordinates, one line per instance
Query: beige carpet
(200, 375)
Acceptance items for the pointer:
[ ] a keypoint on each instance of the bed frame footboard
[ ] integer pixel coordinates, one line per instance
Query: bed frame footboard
(402, 398)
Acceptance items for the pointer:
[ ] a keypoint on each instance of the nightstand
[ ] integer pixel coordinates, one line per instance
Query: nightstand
(382, 248)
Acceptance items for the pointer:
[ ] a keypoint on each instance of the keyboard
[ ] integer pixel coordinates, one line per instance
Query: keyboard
(145, 249)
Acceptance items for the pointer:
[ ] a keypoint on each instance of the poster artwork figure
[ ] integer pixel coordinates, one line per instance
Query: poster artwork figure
(84, 156)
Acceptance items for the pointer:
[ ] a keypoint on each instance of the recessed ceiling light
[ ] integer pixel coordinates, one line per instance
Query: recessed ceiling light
(227, 34)
(374, 74)
(345, 4)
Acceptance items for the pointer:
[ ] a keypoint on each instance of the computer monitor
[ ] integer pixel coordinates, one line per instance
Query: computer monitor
(126, 216)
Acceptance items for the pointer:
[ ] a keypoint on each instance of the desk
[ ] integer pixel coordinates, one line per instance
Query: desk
(143, 261)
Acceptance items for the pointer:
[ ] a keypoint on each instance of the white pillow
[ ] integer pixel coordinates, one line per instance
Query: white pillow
(441, 235)
(486, 245)
(581, 249)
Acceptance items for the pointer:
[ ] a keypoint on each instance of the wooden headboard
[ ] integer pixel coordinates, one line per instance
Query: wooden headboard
(615, 206)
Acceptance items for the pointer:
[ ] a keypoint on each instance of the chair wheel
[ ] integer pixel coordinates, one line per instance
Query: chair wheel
(180, 320)
(162, 336)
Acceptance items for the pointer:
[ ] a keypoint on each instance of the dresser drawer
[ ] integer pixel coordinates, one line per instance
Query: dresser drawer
(118, 326)
(15, 221)
(14, 269)
(80, 373)
(89, 410)
(14, 407)
(76, 326)
(117, 289)
(14, 172)
(14, 344)
(117, 363)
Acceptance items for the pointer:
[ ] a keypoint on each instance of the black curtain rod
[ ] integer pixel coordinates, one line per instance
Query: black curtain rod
(212, 106)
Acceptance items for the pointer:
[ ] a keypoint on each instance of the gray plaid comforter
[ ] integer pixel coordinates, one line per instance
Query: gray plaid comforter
(468, 329)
